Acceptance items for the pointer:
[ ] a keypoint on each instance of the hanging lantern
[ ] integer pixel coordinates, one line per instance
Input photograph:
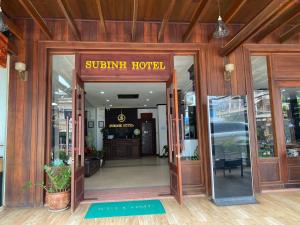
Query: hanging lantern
(221, 29)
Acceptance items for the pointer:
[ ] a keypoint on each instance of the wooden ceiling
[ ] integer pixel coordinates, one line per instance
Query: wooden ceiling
(259, 18)
(148, 10)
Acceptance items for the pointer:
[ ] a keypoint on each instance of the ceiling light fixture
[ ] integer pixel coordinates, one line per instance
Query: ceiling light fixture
(102, 92)
(151, 92)
(107, 100)
(147, 99)
(145, 105)
(221, 30)
(110, 105)
(3, 26)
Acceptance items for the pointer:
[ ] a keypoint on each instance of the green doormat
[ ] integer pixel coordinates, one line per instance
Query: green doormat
(130, 208)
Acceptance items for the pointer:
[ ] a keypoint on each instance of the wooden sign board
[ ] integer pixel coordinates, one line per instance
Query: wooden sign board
(125, 67)
(3, 50)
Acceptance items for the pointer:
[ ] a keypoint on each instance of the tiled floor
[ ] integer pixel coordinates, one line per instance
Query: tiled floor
(272, 209)
(143, 172)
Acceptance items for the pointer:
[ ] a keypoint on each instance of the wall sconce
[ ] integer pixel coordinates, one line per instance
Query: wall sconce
(21, 68)
(228, 70)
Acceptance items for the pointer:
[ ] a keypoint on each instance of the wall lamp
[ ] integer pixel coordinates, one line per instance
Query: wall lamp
(228, 70)
(21, 68)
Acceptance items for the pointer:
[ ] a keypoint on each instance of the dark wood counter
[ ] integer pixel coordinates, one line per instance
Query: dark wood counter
(122, 148)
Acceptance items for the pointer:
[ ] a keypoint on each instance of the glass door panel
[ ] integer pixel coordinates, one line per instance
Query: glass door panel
(290, 98)
(230, 150)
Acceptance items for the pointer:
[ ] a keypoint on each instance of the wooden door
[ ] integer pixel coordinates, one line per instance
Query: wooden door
(174, 138)
(78, 99)
(147, 138)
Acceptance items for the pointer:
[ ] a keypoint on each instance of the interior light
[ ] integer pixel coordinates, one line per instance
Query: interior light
(54, 104)
(145, 105)
(63, 81)
(147, 99)
(110, 105)
(107, 100)
(102, 92)
(151, 92)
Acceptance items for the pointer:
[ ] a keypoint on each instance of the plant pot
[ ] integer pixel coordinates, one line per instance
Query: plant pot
(58, 201)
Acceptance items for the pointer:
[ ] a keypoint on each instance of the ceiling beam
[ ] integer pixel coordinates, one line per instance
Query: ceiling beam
(253, 26)
(35, 15)
(134, 18)
(165, 20)
(289, 12)
(233, 10)
(13, 28)
(195, 20)
(101, 17)
(67, 13)
(290, 33)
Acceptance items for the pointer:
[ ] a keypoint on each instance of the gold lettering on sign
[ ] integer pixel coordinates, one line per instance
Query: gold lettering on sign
(120, 65)
(148, 66)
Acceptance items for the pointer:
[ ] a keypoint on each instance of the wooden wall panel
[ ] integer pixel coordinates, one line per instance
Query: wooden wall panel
(269, 171)
(286, 66)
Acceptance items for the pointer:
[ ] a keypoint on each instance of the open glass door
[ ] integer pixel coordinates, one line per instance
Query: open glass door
(174, 138)
(77, 188)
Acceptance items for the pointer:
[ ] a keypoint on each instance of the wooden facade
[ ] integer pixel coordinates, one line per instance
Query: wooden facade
(28, 101)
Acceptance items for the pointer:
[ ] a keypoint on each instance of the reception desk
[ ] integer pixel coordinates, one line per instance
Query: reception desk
(122, 148)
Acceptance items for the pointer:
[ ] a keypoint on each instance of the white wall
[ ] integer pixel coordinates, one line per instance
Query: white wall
(162, 127)
(99, 136)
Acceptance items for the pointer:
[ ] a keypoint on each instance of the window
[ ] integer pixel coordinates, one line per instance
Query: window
(262, 104)
(62, 70)
(290, 98)
(187, 105)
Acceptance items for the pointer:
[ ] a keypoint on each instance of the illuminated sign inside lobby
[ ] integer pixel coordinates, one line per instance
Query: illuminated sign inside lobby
(98, 66)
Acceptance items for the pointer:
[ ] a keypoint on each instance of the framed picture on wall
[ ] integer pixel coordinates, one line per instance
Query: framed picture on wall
(91, 124)
(100, 124)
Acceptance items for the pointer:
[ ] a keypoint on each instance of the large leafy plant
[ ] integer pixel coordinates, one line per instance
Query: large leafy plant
(59, 177)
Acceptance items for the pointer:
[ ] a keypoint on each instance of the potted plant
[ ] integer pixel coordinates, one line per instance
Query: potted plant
(58, 189)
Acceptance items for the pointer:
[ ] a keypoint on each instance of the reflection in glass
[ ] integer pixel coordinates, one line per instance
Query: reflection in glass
(230, 150)
(290, 98)
(187, 107)
(62, 70)
(263, 113)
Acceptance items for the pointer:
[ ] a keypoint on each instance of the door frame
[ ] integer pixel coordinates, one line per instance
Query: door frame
(188, 50)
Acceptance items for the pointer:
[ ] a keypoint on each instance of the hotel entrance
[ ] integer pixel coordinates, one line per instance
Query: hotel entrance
(128, 133)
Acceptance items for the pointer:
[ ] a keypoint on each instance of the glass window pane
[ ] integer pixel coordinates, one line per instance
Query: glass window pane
(290, 98)
(262, 104)
(62, 70)
(185, 75)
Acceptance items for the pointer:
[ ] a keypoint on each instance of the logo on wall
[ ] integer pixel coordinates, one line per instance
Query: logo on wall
(121, 118)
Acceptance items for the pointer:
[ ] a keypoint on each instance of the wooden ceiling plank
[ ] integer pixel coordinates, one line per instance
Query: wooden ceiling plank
(233, 10)
(272, 25)
(134, 19)
(101, 16)
(68, 15)
(165, 20)
(13, 28)
(195, 20)
(253, 26)
(290, 33)
(35, 15)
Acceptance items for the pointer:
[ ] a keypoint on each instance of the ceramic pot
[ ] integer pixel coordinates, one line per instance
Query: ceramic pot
(58, 201)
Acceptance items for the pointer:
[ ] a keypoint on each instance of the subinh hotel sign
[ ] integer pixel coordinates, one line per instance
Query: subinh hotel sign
(123, 65)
